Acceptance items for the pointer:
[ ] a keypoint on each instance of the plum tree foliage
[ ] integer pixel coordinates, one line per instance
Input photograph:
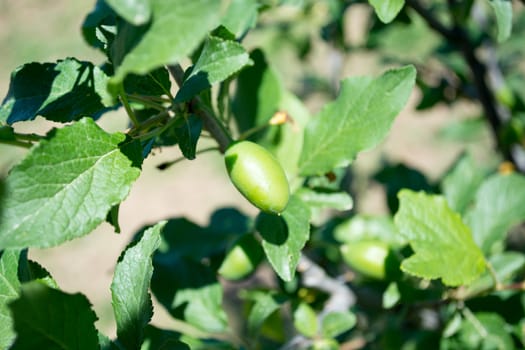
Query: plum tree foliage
(442, 267)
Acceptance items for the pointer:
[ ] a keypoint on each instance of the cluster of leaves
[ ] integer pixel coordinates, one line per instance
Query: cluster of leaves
(450, 276)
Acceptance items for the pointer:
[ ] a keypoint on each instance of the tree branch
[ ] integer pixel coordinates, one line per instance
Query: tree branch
(479, 71)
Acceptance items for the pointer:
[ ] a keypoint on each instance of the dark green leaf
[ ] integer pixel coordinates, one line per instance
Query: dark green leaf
(257, 95)
(64, 91)
(126, 38)
(98, 28)
(134, 11)
(188, 134)
(112, 218)
(65, 186)
(105, 343)
(29, 270)
(130, 288)
(284, 236)
(161, 339)
(499, 204)
(154, 83)
(218, 60)
(443, 245)
(7, 133)
(356, 121)
(46, 318)
(399, 176)
(183, 238)
(177, 28)
(15, 268)
(185, 286)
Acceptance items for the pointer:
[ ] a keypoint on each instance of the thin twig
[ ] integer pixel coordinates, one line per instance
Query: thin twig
(165, 165)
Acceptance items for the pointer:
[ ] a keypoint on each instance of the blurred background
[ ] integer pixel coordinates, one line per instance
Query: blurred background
(425, 141)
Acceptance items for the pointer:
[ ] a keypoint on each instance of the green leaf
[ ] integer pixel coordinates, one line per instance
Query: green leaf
(503, 12)
(395, 177)
(287, 140)
(305, 320)
(241, 16)
(187, 288)
(387, 10)
(463, 130)
(183, 238)
(65, 186)
(105, 343)
(156, 82)
(29, 270)
(203, 307)
(336, 323)
(15, 268)
(499, 204)
(443, 245)
(334, 200)
(130, 288)
(9, 290)
(195, 343)
(7, 133)
(46, 318)
(357, 120)
(161, 339)
(188, 134)
(363, 227)
(284, 236)
(198, 287)
(258, 94)
(177, 28)
(481, 330)
(391, 296)
(505, 265)
(98, 28)
(408, 41)
(462, 182)
(134, 11)
(218, 60)
(264, 305)
(64, 91)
